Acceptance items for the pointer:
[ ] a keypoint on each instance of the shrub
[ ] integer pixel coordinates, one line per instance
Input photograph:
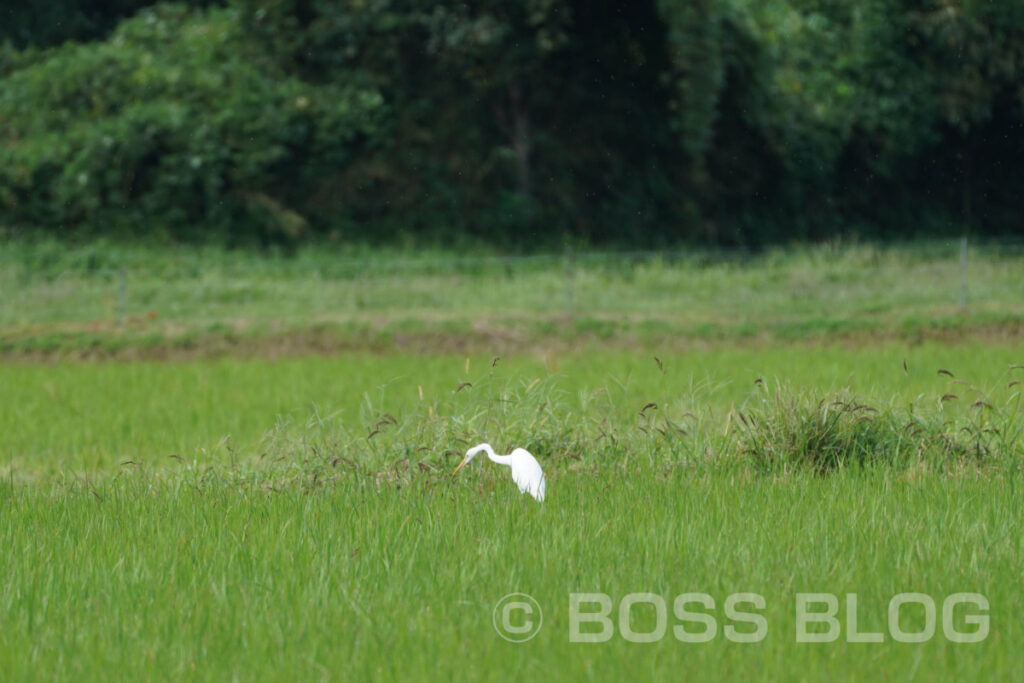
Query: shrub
(177, 116)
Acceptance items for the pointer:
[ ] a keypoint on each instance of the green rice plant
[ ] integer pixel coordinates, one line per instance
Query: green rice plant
(151, 533)
(203, 574)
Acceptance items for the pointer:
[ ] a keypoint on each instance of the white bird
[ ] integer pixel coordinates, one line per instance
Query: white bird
(526, 472)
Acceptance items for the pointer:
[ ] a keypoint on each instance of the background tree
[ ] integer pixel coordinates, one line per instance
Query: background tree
(515, 121)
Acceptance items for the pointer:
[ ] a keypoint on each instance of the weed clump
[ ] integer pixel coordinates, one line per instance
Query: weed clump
(790, 432)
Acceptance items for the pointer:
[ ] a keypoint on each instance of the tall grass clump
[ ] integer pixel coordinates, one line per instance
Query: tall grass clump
(786, 431)
(428, 438)
(773, 431)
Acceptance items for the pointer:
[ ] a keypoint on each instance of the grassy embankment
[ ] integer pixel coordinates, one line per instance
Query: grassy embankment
(132, 301)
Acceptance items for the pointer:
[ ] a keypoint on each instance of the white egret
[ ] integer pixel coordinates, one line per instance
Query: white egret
(526, 472)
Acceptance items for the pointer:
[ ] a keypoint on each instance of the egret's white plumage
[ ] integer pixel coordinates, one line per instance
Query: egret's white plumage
(526, 472)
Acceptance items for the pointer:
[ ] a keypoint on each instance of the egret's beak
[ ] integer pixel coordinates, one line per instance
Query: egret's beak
(461, 465)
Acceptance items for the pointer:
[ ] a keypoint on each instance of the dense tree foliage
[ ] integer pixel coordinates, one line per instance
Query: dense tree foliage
(647, 122)
(177, 120)
(56, 21)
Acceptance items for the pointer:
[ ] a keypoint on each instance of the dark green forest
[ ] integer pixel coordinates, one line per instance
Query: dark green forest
(512, 122)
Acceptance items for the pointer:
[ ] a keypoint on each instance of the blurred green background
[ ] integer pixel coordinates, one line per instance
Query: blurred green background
(512, 123)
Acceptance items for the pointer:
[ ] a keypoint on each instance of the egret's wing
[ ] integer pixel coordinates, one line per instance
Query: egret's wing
(527, 475)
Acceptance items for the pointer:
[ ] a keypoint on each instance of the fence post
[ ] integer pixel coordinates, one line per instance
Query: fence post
(569, 277)
(963, 272)
(122, 297)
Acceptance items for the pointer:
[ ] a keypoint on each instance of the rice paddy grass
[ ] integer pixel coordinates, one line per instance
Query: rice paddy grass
(292, 516)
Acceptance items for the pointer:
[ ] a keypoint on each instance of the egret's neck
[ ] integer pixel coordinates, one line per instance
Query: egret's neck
(500, 459)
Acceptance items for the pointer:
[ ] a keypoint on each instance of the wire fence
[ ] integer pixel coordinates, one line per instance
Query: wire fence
(572, 282)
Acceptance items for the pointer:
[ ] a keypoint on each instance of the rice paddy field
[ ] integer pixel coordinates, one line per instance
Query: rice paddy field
(254, 482)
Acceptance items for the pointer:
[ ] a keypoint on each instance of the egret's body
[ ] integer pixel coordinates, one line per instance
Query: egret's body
(526, 472)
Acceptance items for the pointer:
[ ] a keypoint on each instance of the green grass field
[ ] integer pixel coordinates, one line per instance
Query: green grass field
(109, 299)
(261, 512)
(225, 579)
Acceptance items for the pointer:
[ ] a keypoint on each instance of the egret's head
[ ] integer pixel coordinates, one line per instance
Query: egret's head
(470, 454)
